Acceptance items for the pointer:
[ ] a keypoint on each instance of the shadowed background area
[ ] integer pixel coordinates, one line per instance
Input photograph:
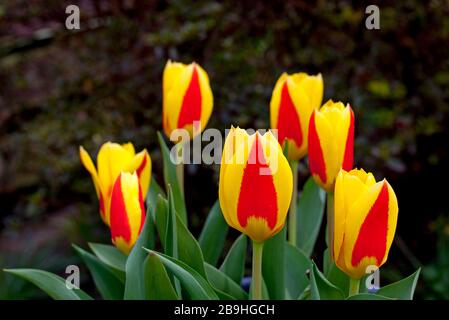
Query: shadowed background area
(64, 88)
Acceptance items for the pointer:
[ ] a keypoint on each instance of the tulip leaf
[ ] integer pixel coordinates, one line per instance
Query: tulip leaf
(157, 283)
(171, 179)
(161, 221)
(213, 236)
(154, 191)
(110, 255)
(106, 280)
(402, 289)
(265, 294)
(224, 283)
(321, 288)
(273, 258)
(234, 263)
(309, 215)
(334, 274)
(368, 296)
(134, 288)
(197, 287)
(50, 283)
(296, 265)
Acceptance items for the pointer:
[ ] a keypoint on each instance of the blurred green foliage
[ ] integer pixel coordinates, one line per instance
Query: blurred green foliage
(62, 88)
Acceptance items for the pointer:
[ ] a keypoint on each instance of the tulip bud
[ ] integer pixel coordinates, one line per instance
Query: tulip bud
(127, 211)
(365, 217)
(112, 159)
(293, 100)
(331, 142)
(256, 184)
(187, 98)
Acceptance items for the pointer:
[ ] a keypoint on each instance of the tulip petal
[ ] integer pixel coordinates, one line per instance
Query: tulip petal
(191, 103)
(349, 148)
(141, 163)
(316, 157)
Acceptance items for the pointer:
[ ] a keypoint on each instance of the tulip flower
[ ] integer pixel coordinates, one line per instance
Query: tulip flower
(365, 217)
(294, 99)
(112, 159)
(187, 98)
(331, 142)
(255, 190)
(127, 211)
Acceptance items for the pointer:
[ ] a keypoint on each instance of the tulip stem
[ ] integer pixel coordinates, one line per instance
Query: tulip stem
(330, 223)
(180, 166)
(257, 270)
(354, 285)
(292, 232)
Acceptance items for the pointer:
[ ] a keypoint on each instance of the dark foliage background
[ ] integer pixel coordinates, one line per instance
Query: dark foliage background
(61, 89)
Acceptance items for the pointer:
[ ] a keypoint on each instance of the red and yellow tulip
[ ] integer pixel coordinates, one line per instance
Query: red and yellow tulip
(112, 159)
(255, 186)
(365, 217)
(127, 211)
(293, 100)
(187, 98)
(331, 142)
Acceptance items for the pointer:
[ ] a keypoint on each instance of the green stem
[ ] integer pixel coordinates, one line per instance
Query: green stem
(180, 166)
(292, 232)
(354, 285)
(257, 270)
(330, 224)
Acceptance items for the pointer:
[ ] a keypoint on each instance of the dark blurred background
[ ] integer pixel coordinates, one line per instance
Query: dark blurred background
(63, 88)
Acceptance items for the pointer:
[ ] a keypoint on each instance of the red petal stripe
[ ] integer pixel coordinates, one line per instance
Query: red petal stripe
(142, 209)
(288, 120)
(119, 217)
(349, 149)
(316, 158)
(257, 196)
(142, 166)
(191, 104)
(372, 238)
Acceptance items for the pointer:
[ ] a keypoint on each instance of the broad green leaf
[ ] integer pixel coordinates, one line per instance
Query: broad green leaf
(335, 275)
(195, 285)
(50, 283)
(171, 179)
(153, 193)
(272, 265)
(157, 282)
(402, 289)
(223, 295)
(134, 286)
(107, 282)
(224, 283)
(162, 219)
(309, 216)
(368, 296)
(213, 236)
(110, 255)
(234, 263)
(296, 265)
(321, 288)
(265, 294)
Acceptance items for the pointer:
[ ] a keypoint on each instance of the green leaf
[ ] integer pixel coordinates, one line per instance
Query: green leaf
(152, 196)
(107, 282)
(335, 275)
(195, 285)
(171, 179)
(368, 296)
(134, 286)
(309, 215)
(224, 283)
(265, 294)
(321, 288)
(50, 283)
(157, 282)
(273, 258)
(234, 263)
(110, 255)
(402, 289)
(213, 236)
(161, 220)
(296, 265)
